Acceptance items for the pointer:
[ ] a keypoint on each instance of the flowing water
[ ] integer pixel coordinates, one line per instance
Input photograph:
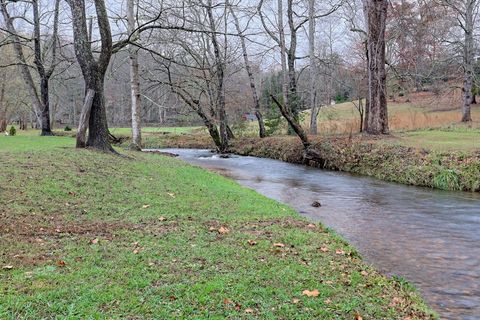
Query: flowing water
(429, 237)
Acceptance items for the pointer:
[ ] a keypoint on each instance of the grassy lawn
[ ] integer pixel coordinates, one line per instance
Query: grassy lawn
(443, 140)
(86, 235)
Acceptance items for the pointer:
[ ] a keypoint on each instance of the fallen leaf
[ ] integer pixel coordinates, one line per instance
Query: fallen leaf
(339, 251)
(364, 273)
(295, 300)
(358, 317)
(279, 245)
(171, 194)
(324, 249)
(223, 230)
(252, 242)
(73, 194)
(328, 301)
(151, 264)
(238, 306)
(311, 226)
(136, 250)
(162, 218)
(173, 298)
(60, 263)
(211, 229)
(7, 267)
(94, 241)
(146, 206)
(227, 301)
(313, 293)
(248, 310)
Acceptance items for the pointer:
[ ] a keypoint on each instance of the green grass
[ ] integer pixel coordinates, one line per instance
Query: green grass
(443, 140)
(95, 236)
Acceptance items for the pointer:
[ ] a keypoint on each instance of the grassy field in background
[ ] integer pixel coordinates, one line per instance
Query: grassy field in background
(460, 139)
(92, 235)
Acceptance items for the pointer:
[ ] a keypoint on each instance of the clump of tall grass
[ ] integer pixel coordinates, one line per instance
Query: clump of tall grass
(447, 179)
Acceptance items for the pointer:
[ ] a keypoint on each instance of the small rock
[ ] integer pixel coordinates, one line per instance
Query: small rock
(316, 204)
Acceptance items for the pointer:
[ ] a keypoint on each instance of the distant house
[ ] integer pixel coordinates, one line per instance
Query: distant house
(249, 116)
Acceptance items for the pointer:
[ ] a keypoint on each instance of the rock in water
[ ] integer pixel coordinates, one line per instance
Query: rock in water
(316, 204)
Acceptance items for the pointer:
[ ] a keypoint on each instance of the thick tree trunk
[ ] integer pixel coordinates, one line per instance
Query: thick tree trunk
(46, 128)
(134, 83)
(468, 60)
(98, 128)
(246, 60)
(377, 115)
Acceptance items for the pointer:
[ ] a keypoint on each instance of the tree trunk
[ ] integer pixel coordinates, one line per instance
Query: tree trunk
(283, 55)
(293, 123)
(84, 118)
(46, 128)
(134, 83)
(3, 108)
(246, 60)
(377, 119)
(468, 60)
(293, 99)
(361, 112)
(220, 74)
(44, 77)
(98, 128)
(312, 67)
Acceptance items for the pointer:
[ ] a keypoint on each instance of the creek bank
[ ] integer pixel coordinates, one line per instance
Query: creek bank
(363, 155)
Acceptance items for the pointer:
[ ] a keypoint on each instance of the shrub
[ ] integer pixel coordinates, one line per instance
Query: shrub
(12, 131)
(67, 128)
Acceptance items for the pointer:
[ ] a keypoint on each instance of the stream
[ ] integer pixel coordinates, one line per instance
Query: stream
(429, 237)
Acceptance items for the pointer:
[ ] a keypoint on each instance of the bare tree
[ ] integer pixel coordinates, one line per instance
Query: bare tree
(93, 70)
(40, 101)
(465, 12)
(248, 68)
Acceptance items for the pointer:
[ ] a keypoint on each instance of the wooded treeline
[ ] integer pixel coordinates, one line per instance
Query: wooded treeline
(213, 63)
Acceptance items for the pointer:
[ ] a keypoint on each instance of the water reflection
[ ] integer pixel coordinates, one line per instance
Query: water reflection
(429, 237)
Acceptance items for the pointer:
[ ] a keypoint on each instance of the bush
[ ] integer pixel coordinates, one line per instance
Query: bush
(12, 131)
(67, 128)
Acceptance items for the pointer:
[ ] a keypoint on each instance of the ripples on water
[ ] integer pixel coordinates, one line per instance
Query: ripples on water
(430, 237)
